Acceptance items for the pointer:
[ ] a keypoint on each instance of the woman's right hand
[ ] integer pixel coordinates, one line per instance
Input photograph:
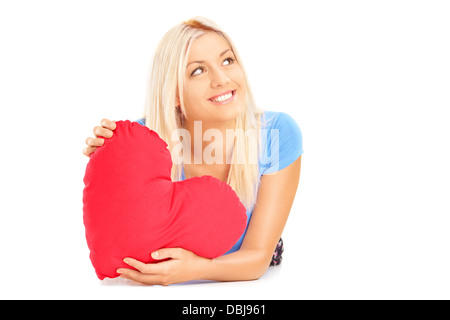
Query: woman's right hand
(100, 132)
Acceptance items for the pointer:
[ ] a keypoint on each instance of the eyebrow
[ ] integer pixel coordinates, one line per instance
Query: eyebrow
(202, 61)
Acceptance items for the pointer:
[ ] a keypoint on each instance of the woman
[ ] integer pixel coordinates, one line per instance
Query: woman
(198, 86)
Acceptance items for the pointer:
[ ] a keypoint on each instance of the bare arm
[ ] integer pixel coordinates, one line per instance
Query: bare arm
(275, 196)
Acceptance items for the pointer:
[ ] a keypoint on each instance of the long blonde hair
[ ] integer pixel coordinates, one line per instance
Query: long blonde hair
(166, 84)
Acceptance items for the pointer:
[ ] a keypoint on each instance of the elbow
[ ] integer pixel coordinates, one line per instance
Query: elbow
(261, 266)
(257, 275)
(245, 265)
(259, 272)
(263, 269)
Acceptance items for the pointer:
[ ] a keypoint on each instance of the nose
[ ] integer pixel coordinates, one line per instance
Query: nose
(219, 78)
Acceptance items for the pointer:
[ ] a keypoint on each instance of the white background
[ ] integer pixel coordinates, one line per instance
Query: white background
(367, 81)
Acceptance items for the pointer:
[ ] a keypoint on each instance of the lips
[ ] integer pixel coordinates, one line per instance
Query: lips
(223, 97)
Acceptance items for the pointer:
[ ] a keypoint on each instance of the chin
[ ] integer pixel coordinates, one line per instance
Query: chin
(227, 114)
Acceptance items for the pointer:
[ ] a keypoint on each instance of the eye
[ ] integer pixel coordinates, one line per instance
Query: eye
(197, 71)
(228, 61)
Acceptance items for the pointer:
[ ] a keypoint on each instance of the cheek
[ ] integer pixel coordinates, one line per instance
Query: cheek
(240, 81)
(238, 77)
(193, 100)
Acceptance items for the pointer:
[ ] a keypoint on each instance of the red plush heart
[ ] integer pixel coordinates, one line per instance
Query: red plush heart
(131, 207)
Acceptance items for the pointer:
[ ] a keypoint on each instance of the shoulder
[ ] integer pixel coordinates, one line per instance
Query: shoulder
(282, 141)
(278, 120)
(282, 126)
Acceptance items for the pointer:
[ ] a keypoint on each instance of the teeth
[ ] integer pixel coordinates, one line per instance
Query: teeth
(223, 98)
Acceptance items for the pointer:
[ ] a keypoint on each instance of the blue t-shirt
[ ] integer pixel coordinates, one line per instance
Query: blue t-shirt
(281, 145)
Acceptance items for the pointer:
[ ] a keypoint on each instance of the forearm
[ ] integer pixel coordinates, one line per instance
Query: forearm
(240, 265)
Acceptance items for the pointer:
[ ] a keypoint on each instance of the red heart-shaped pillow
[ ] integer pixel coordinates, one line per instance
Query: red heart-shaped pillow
(131, 207)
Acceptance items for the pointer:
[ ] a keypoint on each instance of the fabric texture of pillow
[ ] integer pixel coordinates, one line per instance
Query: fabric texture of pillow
(131, 206)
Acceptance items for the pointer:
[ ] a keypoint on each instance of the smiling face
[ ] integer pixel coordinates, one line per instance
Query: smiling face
(215, 89)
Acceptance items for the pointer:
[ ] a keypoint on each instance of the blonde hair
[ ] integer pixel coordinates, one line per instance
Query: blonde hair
(166, 84)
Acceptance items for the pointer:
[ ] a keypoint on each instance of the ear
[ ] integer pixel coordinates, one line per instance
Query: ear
(180, 115)
(178, 108)
(178, 105)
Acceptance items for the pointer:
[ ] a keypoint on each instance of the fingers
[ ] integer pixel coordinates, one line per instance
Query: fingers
(172, 253)
(88, 151)
(92, 145)
(108, 124)
(162, 273)
(102, 132)
(150, 273)
(105, 131)
(142, 267)
(95, 142)
(150, 279)
(148, 268)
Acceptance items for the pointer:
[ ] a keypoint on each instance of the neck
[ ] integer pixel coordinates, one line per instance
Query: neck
(208, 141)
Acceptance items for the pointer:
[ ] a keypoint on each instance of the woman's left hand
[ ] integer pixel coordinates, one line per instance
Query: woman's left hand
(183, 265)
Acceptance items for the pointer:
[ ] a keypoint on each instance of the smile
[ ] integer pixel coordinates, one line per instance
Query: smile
(223, 98)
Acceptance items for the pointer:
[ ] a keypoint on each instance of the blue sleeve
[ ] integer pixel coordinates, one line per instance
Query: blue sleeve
(282, 141)
(141, 121)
